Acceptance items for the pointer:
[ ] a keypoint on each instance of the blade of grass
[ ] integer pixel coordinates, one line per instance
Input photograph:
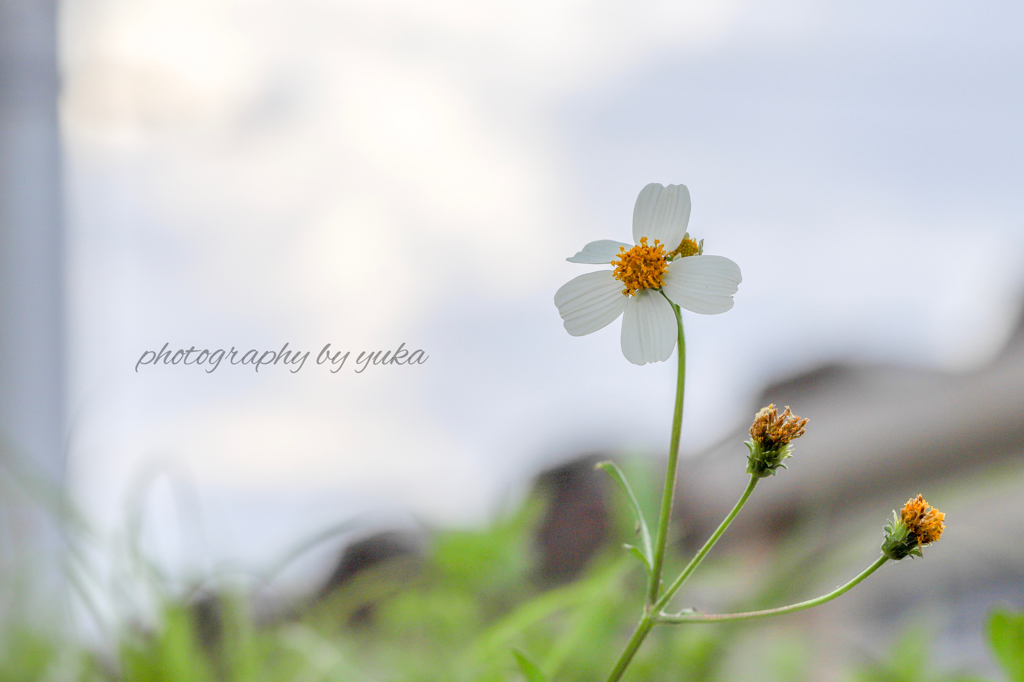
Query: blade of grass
(645, 553)
(529, 668)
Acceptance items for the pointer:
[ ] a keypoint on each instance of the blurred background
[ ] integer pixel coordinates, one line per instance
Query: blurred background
(223, 173)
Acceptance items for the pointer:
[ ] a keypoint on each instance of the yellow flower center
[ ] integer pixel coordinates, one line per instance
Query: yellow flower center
(688, 247)
(772, 429)
(924, 521)
(642, 267)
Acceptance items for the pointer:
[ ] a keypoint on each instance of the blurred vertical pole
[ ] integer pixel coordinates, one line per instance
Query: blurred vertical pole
(31, 273)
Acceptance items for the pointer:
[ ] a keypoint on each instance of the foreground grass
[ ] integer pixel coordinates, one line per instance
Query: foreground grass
(462, 612)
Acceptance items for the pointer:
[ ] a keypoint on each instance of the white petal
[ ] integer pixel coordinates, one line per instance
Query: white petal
(590, 302)
(703, 284)
(661, 213)
(649, 329)
(603, 251)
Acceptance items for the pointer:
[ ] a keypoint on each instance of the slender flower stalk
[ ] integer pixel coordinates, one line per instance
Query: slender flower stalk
(667, 497)
(699, 557)
(646, 623)
(722, 617)
(653, 615)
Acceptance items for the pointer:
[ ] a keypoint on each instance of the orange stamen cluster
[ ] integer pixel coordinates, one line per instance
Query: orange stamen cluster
(772, 429)
(687, 247)
(923, 521)
(642, 267)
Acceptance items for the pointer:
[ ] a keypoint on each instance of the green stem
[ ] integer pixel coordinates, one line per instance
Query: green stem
(699, 557)
(654, 587)
(646, 623)
(722, 617)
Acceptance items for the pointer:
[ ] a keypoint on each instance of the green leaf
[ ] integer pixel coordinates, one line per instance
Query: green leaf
(529, 668)
(638, 553)
(1006, 637)
(645, 552)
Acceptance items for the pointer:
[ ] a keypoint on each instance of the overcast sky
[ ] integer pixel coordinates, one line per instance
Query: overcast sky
(367, 174)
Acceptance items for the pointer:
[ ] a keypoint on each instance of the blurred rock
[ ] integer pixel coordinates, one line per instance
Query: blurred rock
(877, 435)
(575, 524)
(389, 549)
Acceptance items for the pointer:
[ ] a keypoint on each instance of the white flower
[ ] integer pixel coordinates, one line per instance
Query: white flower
(646, 277)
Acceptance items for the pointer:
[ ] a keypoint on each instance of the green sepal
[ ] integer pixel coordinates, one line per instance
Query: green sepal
(763, 463)
(899, 543)
(645, 553)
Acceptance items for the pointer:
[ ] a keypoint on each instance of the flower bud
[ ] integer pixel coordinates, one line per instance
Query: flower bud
(918, 524)
(770, 437)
